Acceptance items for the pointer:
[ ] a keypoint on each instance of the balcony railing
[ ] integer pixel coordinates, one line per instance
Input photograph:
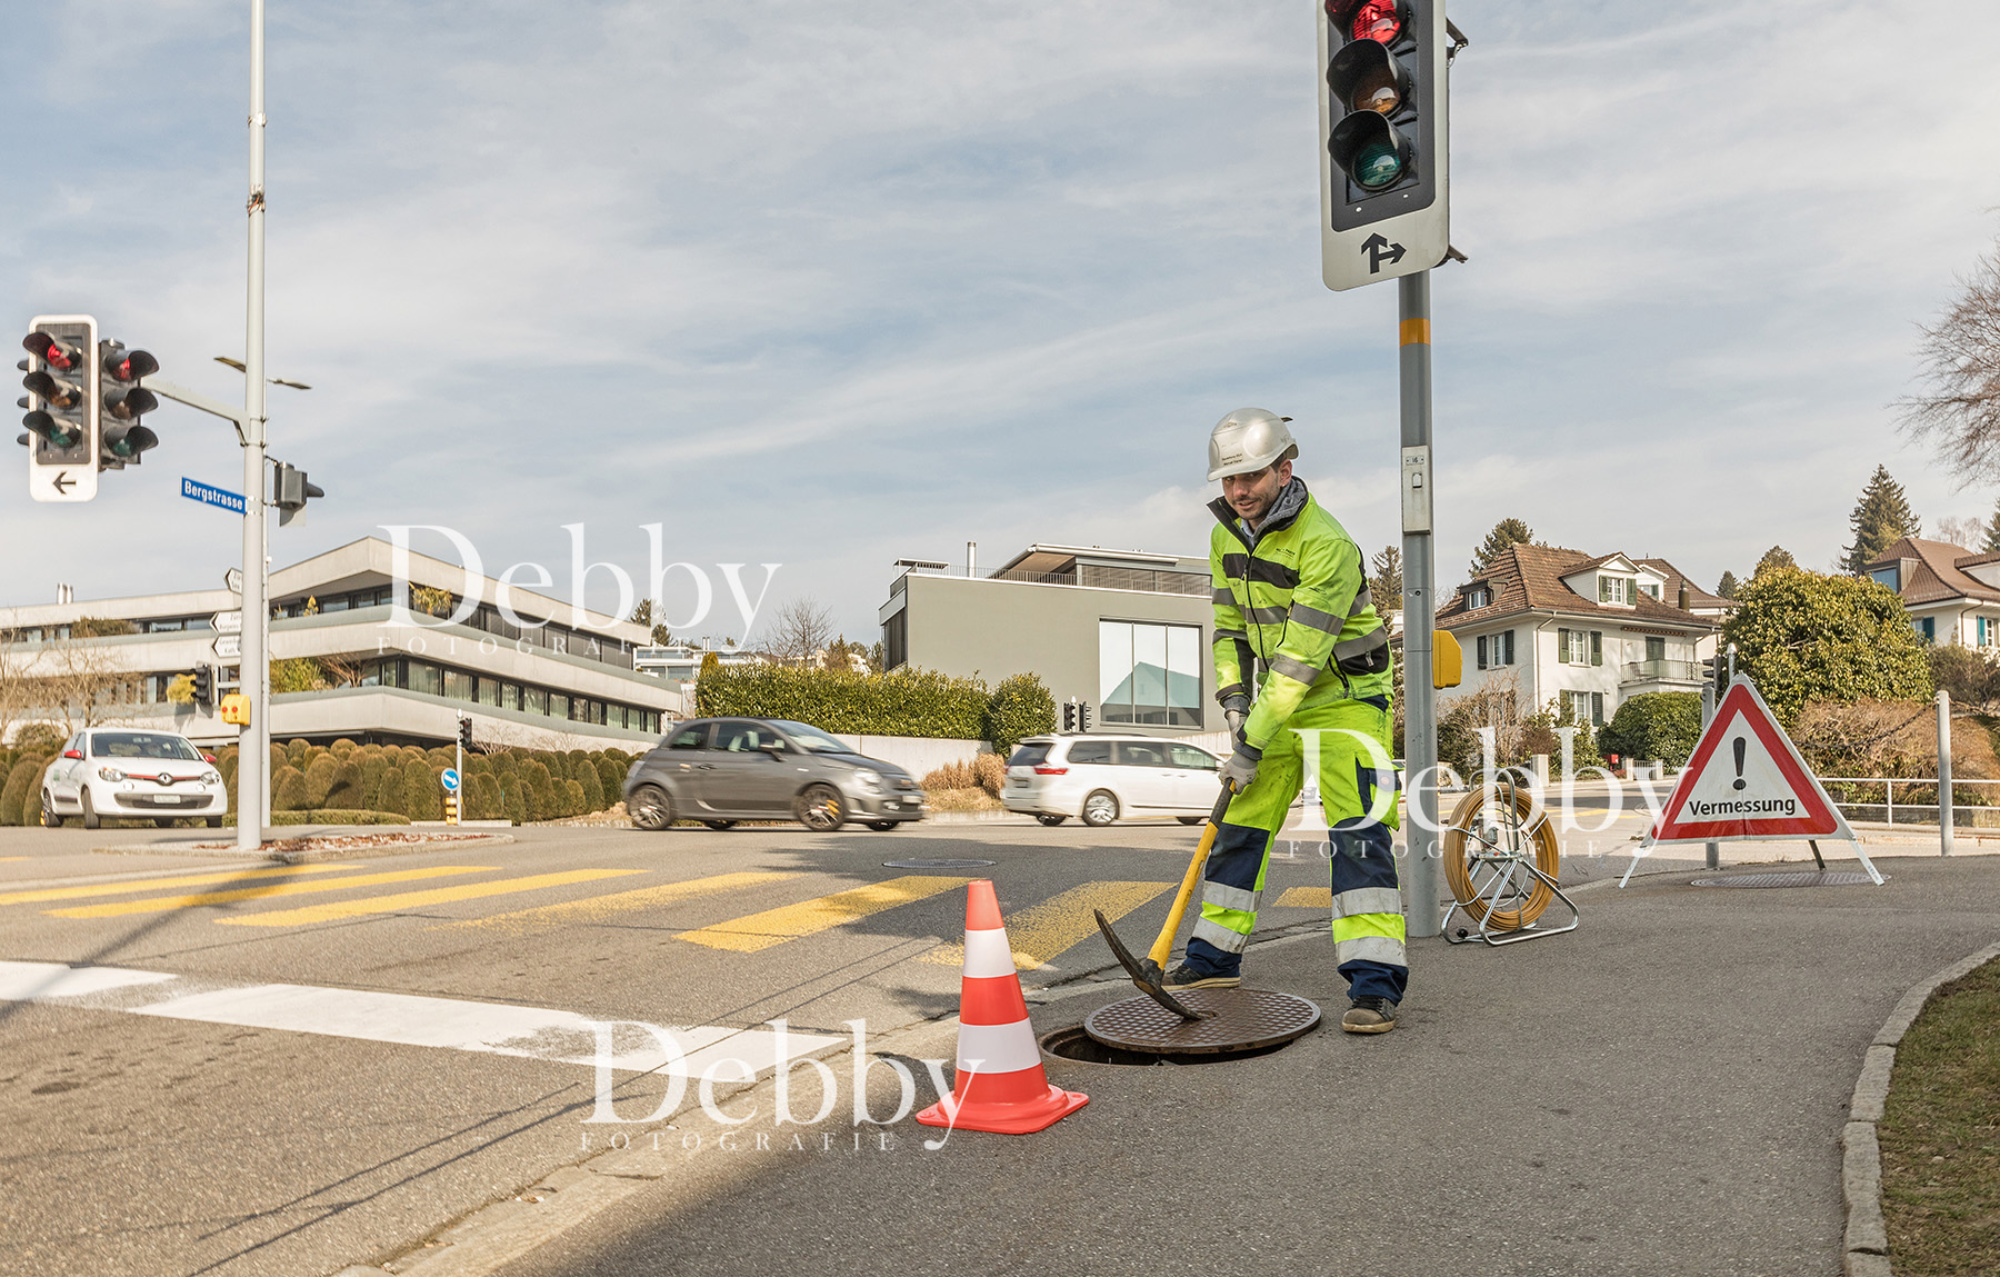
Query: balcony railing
(1662, 671)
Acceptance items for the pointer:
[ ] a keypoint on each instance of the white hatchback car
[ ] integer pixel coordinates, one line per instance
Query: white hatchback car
(107, 772)
(1101, 778)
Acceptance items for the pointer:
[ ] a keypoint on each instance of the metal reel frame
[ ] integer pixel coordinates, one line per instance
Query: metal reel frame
(1503, 870)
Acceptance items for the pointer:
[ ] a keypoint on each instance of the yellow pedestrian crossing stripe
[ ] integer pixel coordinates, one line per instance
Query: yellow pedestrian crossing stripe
(1306, 898)
(1040, 932)
(336, 910)
(161, 904)
(597, 908)
(161, 884)
(809, 917)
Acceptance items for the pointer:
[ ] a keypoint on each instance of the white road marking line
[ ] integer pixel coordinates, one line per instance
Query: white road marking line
(490, 1028)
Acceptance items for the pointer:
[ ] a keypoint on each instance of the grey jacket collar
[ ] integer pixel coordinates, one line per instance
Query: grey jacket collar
(1283, 511)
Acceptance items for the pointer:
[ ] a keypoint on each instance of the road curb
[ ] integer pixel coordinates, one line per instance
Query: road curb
(1866, 1243)
(310, 856)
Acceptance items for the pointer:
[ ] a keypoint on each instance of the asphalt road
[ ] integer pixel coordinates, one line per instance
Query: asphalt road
(155, 1137)
(290, 1070)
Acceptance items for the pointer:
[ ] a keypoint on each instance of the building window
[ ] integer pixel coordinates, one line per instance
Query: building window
(534, 700)
(1496, 649)
(1478, 597)
(1927, 627)
(1656, 649)
(458, 685)
(1649, 589)
(1580, 647)
(896, 640)
(1585, 707)
(1149, 673)
(1614, 589)
(1888, 577)
(489, 691)
(558, 705)
(425, 677)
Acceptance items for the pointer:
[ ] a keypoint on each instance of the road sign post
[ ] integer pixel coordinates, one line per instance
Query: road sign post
(450, 778)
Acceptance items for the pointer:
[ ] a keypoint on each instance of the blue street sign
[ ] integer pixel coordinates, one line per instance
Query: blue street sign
(230, 501)
(450, 779)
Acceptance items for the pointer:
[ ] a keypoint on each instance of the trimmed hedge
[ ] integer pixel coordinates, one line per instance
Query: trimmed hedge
(1663, 725)
(903, 702)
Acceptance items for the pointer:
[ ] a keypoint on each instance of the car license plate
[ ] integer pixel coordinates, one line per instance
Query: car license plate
(1021, 783)
(170, 798)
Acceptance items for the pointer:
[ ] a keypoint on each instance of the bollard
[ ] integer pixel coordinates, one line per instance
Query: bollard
(1944, 773)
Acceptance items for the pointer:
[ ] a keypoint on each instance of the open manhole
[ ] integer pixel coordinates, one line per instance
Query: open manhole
(1075, 1044)
(936, 864)
(1808, 878)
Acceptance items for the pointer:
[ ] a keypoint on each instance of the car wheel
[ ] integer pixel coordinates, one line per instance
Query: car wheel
(213, 822)
(1191, 820)
(1100, 809)
(720, 824)
(1052, 821)
(50, 818)
(650, 808)
(883, 826)
(821, 810)
(90, 820)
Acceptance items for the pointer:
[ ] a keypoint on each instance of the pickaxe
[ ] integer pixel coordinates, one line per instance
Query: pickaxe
(1150, 974)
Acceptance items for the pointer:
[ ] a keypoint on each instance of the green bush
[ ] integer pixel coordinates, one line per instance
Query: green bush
(321, 774)
(23, 792)
(288, 790)
(903, 702)
(1020, 707)
(482, 798)
(38, 739)
(611, 776)
(1663, 725)
(591, 786)
(295, 750)
(573, 800)
(423, 797)
(345, 792)
(1806, 637)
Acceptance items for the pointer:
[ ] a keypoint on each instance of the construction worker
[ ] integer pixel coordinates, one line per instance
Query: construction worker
(1295, 627)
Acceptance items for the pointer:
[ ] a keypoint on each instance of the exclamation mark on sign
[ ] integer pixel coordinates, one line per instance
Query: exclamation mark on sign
(1740, 743)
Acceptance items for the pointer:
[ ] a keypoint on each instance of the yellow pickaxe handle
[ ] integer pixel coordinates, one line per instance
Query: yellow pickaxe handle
(1163, 948)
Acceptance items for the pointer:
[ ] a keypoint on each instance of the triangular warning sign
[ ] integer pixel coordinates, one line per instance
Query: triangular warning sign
(1746, 780)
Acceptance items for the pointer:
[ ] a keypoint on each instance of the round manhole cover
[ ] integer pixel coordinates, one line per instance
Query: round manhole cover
(936, 864)
(1241, 1020)
(1809, 878)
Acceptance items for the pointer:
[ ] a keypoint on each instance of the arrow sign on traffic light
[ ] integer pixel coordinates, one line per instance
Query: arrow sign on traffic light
(1380, 250)
(62, 482)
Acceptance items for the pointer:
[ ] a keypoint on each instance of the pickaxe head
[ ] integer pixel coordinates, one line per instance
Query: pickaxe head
(1146, 974)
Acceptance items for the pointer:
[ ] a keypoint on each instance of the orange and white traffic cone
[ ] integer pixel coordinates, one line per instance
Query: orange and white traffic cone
(1000, 1085)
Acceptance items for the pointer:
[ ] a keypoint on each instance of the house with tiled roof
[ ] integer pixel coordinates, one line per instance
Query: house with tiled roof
(1583, 631)
(1951, 593)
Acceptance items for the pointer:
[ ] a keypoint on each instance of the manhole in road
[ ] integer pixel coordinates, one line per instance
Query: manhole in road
(936, 864)
(1822, 878)
(1074, 1043)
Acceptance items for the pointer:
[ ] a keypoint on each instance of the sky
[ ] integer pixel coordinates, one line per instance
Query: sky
(825, 286)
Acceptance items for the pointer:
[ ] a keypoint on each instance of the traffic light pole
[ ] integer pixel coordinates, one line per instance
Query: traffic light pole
(1422, 877)
(253, 754)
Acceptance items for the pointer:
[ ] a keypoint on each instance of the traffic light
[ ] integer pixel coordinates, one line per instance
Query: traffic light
(1069, 716)
(62, 407)
(1384, 184)
(290, 492)
(1712, 673)
(465, 734)
(124, 402)
(204, 685)
(1083, 716)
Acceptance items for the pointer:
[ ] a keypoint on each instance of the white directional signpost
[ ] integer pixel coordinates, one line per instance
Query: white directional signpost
(226, 622)
(228, 647)
(1745, 781)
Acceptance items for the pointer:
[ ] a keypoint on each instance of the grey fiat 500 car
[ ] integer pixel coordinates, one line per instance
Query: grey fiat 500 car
(722, 770)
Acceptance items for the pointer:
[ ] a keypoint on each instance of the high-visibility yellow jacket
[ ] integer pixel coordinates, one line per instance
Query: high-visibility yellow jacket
(1293, 615)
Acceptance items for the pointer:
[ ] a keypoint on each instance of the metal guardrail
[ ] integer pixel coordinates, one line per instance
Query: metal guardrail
(1889, 783)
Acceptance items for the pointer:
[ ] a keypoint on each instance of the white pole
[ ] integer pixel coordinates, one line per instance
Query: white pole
(252, 761)
(1945, 832)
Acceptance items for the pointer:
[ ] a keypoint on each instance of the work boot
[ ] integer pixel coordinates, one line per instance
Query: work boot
(1369, 1015)
(1185, 977)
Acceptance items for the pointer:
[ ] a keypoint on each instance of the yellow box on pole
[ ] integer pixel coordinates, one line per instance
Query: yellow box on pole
(236, 708)
(1447, 660)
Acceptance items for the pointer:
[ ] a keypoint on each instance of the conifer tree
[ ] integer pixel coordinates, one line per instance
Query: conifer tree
(1881, 518)
(1507, 532)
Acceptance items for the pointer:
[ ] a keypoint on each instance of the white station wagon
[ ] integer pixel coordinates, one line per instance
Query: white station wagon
(1102, 778)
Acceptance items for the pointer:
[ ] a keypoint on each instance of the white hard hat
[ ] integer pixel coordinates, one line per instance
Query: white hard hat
(1248, 440)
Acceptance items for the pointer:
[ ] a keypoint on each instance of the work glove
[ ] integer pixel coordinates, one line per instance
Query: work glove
(1241, 769)
(1235, 712)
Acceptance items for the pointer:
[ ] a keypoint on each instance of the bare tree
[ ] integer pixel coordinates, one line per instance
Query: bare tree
(1964, 531)
(800, 631)
(74, 683)
(1960, 355)
(12, 684)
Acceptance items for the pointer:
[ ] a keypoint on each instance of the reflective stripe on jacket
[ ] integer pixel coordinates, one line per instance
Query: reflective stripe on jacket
(1293, 601)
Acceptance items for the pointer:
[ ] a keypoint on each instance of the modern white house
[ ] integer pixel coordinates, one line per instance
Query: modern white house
(350, 632)
(1561, 626)
(1951, 593)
